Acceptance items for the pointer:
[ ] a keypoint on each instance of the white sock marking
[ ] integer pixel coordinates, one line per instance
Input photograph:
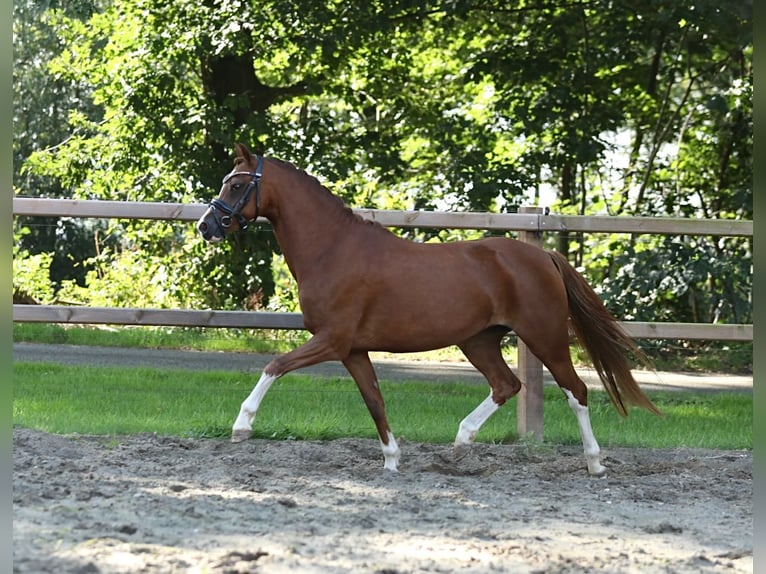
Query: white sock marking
(471, 424)
(589, 444)
(391, 453)
(250, 405)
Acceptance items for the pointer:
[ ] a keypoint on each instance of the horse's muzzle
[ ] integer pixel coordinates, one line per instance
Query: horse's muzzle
(209, 227)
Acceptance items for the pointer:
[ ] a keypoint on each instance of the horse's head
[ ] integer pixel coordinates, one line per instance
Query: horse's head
(238, 203)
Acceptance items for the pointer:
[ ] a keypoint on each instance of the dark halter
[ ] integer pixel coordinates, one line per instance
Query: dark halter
(235, 212)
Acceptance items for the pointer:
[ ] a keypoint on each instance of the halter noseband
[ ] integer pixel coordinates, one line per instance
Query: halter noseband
(235, 211)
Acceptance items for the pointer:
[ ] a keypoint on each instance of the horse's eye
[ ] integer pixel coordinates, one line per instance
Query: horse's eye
(236, 186)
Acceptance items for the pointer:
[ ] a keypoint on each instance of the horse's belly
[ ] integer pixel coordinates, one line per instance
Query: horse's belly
(420, 320)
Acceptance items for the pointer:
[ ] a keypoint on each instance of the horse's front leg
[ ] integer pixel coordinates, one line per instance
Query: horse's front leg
(243, 426)
(361, 369)
(316, 350)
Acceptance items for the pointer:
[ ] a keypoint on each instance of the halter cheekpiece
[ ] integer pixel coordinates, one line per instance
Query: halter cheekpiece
(235, 212)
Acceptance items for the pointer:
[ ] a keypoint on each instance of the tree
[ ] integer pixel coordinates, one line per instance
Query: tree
(622, 107)
(41, 108)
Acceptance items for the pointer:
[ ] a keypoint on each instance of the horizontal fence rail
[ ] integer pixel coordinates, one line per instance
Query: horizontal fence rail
(404, 219)
(273, 320)
(531, 223)
(156, 317)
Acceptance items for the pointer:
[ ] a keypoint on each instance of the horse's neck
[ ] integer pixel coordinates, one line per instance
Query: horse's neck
(311, 226)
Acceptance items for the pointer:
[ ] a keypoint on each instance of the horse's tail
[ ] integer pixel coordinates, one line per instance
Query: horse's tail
(607, 344)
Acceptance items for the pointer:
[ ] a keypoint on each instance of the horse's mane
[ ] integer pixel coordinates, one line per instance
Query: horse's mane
(337, 201)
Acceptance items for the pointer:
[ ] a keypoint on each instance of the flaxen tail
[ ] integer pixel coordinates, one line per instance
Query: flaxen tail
(607, 344)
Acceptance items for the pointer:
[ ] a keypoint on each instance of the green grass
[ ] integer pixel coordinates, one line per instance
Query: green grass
(731, 357)
(190, 338)
(112, 401)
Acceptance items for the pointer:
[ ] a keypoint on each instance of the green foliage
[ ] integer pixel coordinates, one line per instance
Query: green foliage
(669, 279)
(701, 356)
(31, 274)
(595, 108)
(42, 108)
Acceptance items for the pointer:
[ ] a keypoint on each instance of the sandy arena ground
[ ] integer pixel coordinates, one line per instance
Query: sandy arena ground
(156, 504)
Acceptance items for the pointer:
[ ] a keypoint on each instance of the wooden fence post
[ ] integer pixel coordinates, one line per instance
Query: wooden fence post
(529, 406)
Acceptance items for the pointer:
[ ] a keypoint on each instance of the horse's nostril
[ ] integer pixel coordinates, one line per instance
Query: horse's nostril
(202, 227)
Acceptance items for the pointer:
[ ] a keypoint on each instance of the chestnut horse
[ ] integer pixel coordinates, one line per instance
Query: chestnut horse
(362, 288)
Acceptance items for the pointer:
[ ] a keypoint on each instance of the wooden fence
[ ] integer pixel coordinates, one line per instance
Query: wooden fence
(531, 223)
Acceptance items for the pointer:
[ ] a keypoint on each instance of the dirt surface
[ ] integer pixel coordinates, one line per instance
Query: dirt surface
(148, 503)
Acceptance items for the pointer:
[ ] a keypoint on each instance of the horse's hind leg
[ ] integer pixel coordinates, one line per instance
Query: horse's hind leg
(361, 369)
(552, 348)
(483, 350)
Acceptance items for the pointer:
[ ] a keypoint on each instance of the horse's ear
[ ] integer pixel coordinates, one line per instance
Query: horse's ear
(243, 152)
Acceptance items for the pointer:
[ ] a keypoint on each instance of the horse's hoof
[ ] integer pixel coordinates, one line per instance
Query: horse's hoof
(597, 472)
(240, 435)
(459, 451)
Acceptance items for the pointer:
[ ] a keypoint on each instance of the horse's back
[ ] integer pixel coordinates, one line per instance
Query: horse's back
(473, 273)
(502, 261)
